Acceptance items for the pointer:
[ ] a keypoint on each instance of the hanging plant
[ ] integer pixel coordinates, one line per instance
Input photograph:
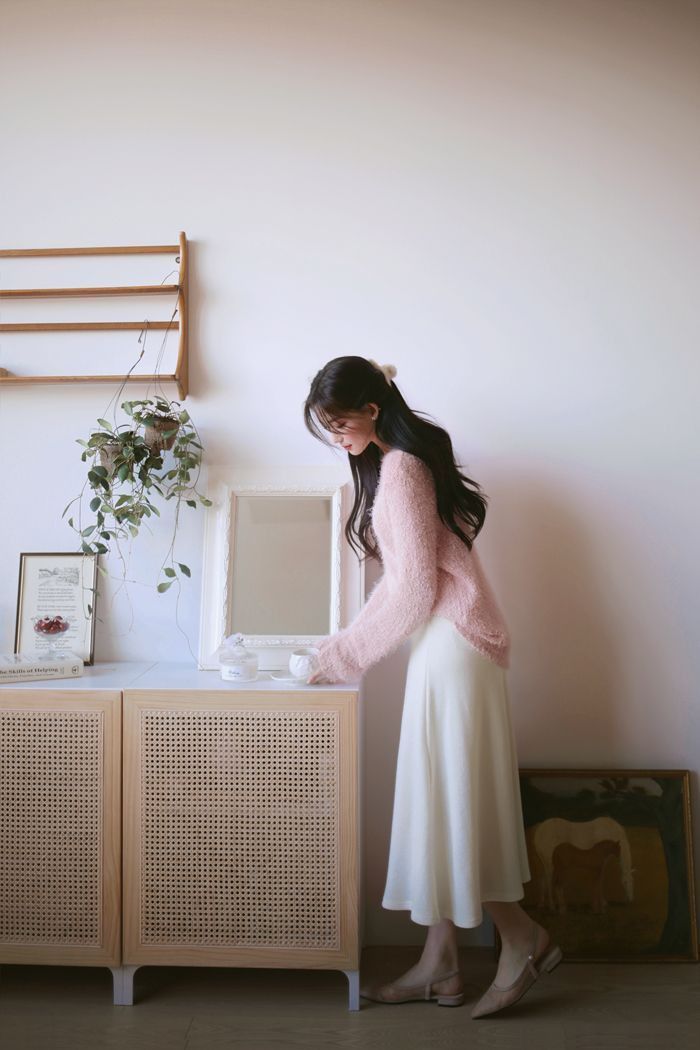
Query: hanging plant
(159, 418)
(127, 473)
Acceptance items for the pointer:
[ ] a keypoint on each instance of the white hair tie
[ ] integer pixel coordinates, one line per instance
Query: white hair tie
(389, 371)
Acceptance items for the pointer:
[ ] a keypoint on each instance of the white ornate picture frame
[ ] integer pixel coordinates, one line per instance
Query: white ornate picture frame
(225, 487)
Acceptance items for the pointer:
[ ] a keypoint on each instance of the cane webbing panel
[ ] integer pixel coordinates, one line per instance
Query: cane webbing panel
(51, 827)
(239, 828)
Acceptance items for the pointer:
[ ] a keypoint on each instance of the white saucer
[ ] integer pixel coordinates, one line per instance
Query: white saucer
(283, 676)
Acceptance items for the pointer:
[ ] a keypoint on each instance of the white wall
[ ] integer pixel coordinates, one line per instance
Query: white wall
(501, 199)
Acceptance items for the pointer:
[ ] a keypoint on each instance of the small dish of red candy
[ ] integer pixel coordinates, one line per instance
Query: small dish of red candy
(51, 625)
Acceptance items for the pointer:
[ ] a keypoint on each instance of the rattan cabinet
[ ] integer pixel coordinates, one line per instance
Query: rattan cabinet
(60, 827)
(241, 830)
(180, 820)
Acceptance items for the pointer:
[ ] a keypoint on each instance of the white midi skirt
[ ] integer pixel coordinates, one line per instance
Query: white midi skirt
(457, 833)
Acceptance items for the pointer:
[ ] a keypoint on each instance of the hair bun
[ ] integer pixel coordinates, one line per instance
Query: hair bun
(388, 370)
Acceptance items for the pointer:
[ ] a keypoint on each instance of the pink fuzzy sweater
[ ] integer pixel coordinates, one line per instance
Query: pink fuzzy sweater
(427, 570)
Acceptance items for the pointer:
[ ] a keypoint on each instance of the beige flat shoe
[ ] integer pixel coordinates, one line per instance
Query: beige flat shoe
(384, 993)
(496, 998)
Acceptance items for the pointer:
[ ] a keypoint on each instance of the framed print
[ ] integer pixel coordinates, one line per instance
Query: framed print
(56, 605)
(611, 859)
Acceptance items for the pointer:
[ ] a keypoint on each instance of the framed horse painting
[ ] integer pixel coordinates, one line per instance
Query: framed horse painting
(611, 861)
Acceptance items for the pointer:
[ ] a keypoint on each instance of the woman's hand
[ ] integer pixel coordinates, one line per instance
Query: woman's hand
(318, 679)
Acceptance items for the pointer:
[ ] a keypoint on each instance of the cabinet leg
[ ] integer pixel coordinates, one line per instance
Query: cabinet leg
(353, 977)
(123, 984)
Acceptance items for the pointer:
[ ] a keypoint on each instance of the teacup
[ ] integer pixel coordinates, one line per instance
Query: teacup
(301, 662)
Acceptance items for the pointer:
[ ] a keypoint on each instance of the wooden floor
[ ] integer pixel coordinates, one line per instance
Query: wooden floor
(580, 1006)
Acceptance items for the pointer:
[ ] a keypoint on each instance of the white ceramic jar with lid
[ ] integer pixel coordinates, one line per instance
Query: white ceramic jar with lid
(236, 663)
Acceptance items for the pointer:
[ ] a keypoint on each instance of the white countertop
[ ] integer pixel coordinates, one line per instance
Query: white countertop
(161, 675)
(186, 676)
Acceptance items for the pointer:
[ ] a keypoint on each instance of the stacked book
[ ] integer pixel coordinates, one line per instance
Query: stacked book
(16, 668)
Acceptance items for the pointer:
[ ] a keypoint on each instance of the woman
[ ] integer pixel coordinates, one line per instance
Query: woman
(457, 835)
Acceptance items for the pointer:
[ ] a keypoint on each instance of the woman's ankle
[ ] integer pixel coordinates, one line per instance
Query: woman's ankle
(442, 961)
(440, 953)
(519, 938)
(513, 923)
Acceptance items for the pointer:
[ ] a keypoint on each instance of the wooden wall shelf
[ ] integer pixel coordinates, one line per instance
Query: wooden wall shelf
(181, 374)
(44, 293)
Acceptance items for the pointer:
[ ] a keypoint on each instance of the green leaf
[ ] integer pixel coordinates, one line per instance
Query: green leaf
(133, 530)
(191, 503)
(184, 569)
(100, 471)
(205, 502)
(169, 572)
(88, 530)
(164, 586)
(70, 521)
(94, 503)
(123, 472)
(184, 416)
(100, 548)
(105, 424)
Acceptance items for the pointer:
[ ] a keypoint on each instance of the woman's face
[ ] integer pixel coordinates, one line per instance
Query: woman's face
(354, 430)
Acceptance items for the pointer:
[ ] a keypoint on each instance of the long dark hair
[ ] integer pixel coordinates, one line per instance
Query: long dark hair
(348, 384)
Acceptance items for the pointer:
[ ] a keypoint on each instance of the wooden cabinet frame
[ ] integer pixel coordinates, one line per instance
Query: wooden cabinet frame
(277, 771)
(60, 834)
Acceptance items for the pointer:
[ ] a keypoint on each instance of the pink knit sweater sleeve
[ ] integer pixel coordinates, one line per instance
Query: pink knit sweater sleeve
(405, 595)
